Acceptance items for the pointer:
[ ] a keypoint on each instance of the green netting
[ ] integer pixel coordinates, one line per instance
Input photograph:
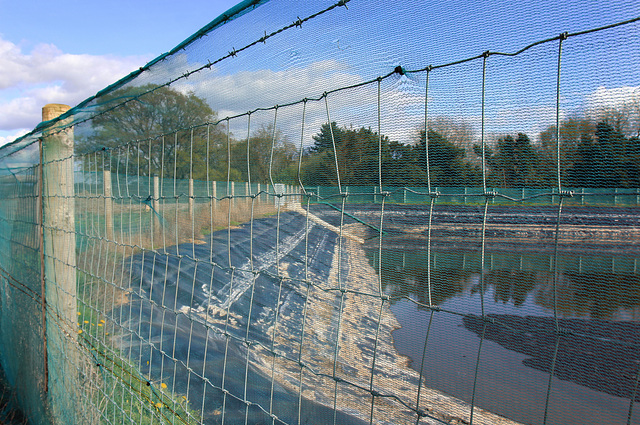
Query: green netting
(337, 213)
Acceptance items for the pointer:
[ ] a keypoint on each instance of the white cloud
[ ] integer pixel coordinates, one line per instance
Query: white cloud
(620, 106)
(247, 90)
(29, 80)
(10, 137)
(616, 98)
(243, 91)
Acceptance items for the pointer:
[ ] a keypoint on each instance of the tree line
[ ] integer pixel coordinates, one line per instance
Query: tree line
(592, 153)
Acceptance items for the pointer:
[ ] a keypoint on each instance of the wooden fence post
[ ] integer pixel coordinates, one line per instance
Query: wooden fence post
(60, 265)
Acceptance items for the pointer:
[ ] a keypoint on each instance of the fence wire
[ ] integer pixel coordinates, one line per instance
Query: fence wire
(169, 258)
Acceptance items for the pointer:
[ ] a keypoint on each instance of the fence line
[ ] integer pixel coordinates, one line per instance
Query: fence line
(173, 287)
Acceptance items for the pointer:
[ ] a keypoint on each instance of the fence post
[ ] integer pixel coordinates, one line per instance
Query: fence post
(156, 205)
(60, 265)
(232, 201)
(108, 203)
(191, 200)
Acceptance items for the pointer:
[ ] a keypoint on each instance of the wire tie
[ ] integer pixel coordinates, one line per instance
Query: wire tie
(234, 52)
(488, 319)
(564, 35)
(434, 195)
(298, 23)
(490, 194)
(486, 54)
(399, 70)
(264, 39)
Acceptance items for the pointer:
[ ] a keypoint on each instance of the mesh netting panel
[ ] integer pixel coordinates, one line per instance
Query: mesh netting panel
(338, 213)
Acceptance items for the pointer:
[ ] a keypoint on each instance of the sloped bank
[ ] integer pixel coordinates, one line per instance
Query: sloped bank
(283, 317)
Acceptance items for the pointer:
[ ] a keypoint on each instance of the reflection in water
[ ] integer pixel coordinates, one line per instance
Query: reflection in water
(596, 352)
(605, 288)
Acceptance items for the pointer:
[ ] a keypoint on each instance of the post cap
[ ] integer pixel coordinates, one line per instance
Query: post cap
(53, 110)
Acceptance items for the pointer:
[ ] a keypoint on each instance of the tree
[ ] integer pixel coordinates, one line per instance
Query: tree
(457, 131)
(358, 155)
(608, 160)
(260, 158)
(573, 132)
(447, 163)
(514, 162)
(619, 108)
(403, 167)
(157, 130)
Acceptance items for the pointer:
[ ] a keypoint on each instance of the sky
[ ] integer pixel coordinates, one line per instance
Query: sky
(66, 51)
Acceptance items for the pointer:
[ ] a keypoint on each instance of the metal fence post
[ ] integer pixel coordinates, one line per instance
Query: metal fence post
(108, 203)
(60, 265)
(156, 205)
(191, 200)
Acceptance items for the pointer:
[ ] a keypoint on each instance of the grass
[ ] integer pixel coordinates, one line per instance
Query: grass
(114, 389)
(117, 390)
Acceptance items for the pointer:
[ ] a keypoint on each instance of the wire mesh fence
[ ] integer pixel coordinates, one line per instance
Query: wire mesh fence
(376, 240)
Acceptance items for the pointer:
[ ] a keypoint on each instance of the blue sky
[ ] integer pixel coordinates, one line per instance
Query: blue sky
(67, 50)
(66, 54)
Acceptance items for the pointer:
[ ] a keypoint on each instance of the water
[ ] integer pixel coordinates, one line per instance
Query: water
(596, 360)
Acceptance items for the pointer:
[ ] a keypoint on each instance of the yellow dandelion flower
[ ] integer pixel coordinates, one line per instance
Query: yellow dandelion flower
(79, 331)
(163, 385)
(101, 320)
(86, 321)
(79, 314)
(158, 404)
(99, 324)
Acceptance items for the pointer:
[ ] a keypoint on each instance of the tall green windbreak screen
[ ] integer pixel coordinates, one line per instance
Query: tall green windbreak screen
(338, 213)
